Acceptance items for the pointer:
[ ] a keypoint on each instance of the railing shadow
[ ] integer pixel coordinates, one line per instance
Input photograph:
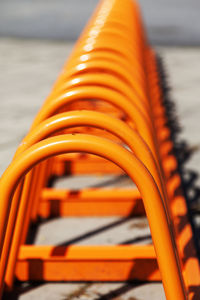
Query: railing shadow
(183, 152)
(191, 192)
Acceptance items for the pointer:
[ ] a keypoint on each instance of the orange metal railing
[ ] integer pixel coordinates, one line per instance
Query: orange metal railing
(109, 93)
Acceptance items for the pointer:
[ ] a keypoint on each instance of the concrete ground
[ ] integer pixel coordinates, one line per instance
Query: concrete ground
(28, 70)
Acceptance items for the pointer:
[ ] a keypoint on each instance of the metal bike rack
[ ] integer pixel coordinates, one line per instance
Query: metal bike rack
(109, 91)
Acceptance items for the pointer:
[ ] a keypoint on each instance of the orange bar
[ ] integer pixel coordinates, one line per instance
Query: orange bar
(90, 202)
(83, 164)
(95, 263)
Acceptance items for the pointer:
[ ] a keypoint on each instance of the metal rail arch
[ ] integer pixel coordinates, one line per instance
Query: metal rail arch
(162, 238)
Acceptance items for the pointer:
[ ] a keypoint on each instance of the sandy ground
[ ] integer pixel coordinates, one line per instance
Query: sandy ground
(28, 70)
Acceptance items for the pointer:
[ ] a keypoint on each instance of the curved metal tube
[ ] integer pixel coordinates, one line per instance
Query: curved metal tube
(117, 100)
(108, 80)
(65, 121)
(162, 238)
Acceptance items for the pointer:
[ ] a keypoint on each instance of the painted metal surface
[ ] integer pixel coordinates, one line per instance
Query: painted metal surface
(107, 102)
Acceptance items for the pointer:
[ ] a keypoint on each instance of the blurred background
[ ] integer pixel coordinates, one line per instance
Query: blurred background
(172, 22)
(36, 37)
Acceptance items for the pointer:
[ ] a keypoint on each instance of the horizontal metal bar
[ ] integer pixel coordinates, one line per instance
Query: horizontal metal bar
(95, 263)
(83, 164)
(90, 202)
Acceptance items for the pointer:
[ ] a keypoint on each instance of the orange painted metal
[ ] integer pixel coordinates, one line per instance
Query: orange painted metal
(108, 100)
(78, 164)
(90, 202)
(97, 263)
(83, 118)
(160, 228)
(178, 206)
